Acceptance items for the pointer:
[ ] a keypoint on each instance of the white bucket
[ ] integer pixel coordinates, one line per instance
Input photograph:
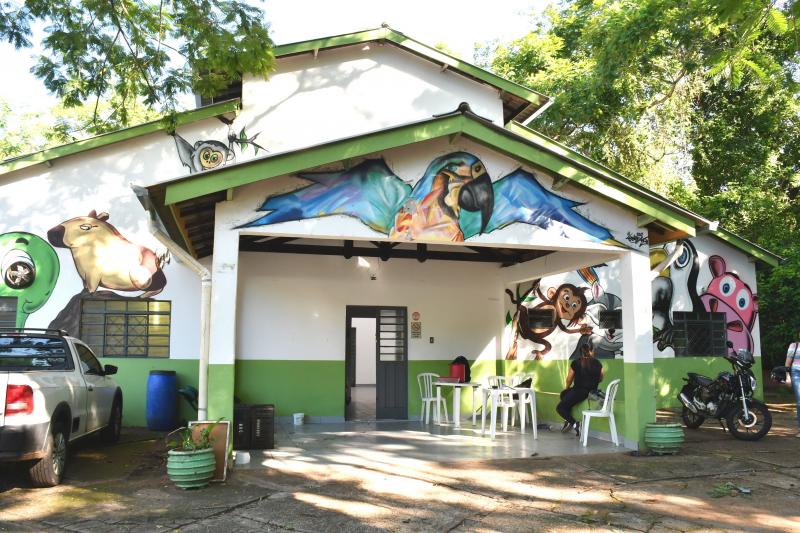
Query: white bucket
(298, 419)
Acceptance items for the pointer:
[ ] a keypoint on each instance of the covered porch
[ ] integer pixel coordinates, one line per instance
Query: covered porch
(296, 238)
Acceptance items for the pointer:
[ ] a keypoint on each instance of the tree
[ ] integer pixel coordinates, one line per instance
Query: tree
(696, 99)
(129, 51)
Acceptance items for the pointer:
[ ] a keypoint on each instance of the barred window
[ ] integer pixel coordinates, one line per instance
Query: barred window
(699, 333)
(126, 328)
(8, 312)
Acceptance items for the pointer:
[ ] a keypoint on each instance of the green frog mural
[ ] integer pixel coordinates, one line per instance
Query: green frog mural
(29, 270)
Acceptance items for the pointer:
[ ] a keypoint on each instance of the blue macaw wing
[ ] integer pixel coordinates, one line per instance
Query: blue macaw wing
(519, 197)
(369, 191)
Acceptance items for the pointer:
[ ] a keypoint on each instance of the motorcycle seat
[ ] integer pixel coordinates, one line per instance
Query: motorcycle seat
(701, 380)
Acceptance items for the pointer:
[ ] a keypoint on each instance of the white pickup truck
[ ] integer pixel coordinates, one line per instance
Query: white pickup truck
(53, 390)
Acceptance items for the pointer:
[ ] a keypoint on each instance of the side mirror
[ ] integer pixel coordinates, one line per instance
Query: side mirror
(110, 370)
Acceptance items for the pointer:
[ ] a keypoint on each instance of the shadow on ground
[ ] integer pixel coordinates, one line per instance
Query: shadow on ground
(124, 488)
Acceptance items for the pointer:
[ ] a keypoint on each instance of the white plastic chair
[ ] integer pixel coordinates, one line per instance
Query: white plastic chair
(524, 399)
(607, 411)
(504, 400)
(428, 397)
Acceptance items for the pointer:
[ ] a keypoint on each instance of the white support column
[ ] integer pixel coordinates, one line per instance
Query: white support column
(637, 344)
(224, 273)
(637, 308)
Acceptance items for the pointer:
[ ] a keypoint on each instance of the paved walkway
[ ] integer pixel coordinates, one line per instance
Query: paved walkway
(123, 488)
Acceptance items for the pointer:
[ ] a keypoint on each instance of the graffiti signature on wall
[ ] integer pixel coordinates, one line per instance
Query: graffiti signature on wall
(29, 268)
(453, 201)
(104, 258)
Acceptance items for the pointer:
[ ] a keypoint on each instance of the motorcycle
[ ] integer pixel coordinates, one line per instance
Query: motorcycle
(729, 397)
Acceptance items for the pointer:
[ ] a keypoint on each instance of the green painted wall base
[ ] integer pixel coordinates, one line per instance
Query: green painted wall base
(220, 392)
(132, 378)
(315, 388)
(640, 380)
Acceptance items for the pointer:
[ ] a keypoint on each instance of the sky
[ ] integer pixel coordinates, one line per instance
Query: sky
(459, 24)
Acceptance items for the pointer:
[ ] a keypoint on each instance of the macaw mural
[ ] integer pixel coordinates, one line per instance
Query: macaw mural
(209, 154)
(30, 269)
(453, 201)
(104, 258)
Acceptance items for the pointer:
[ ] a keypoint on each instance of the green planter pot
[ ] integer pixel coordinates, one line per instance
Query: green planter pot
(664, 439)
(191, 469)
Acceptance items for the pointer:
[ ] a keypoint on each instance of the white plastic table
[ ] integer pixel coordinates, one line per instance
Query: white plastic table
(456, 400)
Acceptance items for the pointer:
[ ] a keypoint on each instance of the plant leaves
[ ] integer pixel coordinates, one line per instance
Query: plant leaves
(776, 22)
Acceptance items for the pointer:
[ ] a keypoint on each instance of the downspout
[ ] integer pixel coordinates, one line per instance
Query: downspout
(158, 231)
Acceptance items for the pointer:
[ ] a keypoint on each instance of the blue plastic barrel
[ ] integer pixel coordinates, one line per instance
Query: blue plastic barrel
(162, 400)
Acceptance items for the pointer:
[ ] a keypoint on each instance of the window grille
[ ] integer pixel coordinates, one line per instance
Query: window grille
(126, 328)
(699, 333)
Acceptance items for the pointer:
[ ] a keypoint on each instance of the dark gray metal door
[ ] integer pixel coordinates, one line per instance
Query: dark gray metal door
(392, 363)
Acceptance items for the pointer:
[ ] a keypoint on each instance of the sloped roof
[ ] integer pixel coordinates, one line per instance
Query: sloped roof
(56, 152)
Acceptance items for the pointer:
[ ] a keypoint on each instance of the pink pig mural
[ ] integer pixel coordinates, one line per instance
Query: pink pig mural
(104, 258)
(727, 293)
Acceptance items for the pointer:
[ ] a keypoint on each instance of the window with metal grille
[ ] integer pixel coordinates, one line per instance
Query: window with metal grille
(610, 319)
(699, 333)
(8, 312)
(541, 318)
(126, 328)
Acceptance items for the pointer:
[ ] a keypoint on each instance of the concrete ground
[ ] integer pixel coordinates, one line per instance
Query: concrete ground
(124, 488)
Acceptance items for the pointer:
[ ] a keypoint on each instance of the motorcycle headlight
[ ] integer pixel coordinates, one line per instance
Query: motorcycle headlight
(753, 383)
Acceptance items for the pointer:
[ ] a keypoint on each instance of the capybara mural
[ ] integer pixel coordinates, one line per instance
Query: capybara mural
(29, 268)
(104, 258)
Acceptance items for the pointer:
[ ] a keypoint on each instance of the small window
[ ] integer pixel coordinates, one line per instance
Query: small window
(541, 318)
(126, 328)
(8, 312)
(610, 319)
(699, 334)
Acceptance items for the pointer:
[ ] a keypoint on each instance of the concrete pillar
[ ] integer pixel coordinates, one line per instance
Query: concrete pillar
(637, 344)
(224, 279)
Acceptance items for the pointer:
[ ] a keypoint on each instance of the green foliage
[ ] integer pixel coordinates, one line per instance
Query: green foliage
(133, 51)
(22, 133)
(696, 99)
(189, 443)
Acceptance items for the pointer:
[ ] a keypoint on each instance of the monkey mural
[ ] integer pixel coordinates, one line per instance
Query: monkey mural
(568, 304)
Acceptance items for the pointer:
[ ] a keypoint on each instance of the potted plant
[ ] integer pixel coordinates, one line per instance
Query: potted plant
(190, 460)
(663, 439)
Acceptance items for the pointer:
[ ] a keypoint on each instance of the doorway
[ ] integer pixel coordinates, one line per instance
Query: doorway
(376, 363)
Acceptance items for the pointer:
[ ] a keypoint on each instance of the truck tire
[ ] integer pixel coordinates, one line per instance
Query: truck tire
(48, 471)
(112, 430)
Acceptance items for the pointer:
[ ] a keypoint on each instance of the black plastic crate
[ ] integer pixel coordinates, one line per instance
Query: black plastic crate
(242, 427)
(262, 429)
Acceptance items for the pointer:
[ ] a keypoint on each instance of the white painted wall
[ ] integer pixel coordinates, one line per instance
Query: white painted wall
(365, 350)
(353, 90)
(293, 306)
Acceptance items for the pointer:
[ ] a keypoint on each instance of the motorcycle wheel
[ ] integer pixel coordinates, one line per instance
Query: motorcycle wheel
(692, 420)
(755, 427)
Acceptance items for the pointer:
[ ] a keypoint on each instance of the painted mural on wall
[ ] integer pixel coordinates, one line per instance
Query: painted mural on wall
(30, 269)
(677, 288)
(587, 309)
(105, 258)
(454, 200)
(208, 154)
(577, 302)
